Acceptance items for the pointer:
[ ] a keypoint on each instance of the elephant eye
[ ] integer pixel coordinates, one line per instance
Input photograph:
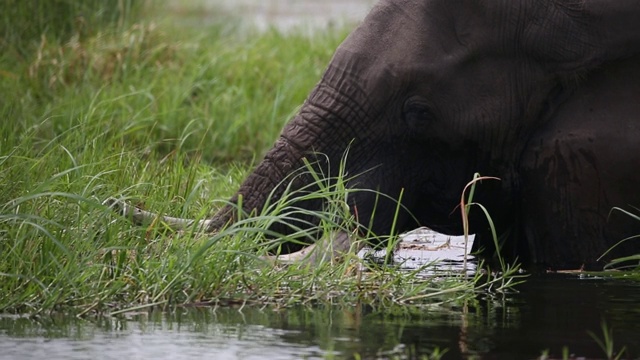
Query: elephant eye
(417, 115)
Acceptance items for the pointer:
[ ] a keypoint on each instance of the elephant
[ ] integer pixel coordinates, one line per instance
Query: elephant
(542, 94)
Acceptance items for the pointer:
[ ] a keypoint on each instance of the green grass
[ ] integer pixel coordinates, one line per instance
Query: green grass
(23, 24)
(170, 118)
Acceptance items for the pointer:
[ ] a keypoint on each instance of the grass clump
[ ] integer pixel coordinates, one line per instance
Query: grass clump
(171, 118)
(26, 22)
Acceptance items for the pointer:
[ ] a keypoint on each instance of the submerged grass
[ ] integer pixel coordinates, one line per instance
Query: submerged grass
(171, 119)
(606, 344)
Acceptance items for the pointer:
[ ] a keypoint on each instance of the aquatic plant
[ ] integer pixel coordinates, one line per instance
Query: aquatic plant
(508, 275)
(605, 343)
(631, 262)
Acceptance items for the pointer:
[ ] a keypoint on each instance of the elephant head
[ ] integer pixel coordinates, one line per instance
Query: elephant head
(425, 93)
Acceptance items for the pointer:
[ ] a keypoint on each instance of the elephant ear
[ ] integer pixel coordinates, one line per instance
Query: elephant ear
(578, 35)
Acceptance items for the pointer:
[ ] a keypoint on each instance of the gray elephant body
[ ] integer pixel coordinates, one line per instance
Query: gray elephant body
(426, 93)
(581, 164)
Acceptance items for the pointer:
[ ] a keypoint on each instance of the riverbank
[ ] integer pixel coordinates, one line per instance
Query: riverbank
(170, 118)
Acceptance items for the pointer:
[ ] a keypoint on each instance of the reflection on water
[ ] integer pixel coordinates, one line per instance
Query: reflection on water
(549, 313)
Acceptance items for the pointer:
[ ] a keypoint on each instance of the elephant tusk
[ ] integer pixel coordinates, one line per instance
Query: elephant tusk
(139, 216)
(331, 248)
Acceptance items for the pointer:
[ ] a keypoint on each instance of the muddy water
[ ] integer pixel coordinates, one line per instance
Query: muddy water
(550, 312)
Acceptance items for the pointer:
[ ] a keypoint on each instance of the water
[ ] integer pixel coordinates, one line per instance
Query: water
(549, 312)
(285, 15)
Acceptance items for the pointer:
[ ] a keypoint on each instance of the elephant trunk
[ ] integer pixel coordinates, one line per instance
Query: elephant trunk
(267, 181)
(318, 128)
(321, 133)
